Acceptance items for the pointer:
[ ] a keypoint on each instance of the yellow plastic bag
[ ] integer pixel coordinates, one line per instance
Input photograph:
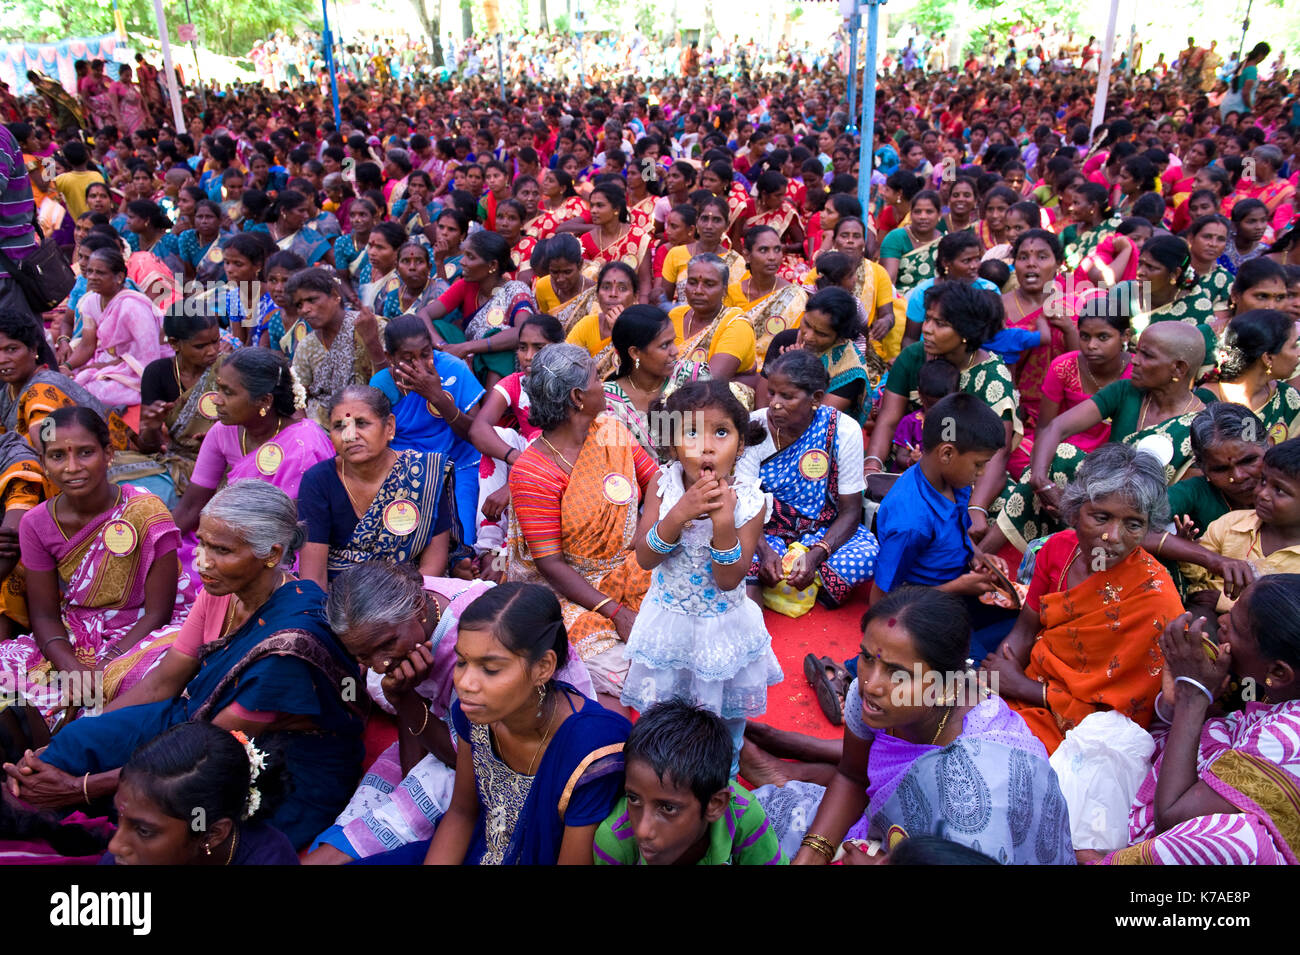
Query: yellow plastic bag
(783, 598)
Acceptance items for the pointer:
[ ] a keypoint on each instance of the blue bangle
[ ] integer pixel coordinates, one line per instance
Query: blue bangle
(657, 543)
(730, 556)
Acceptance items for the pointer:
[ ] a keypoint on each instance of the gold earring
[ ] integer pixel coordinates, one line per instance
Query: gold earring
(207, 848)
(262, 412)
(271, 563)
(541, 700)
(1268, 681)
(1173, 381)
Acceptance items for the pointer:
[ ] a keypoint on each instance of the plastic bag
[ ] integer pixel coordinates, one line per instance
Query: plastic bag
(783, 598)
(1100, 765)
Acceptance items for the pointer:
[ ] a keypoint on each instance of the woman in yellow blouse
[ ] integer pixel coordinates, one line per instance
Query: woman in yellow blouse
(616, 289)
(770, 304)
(711, 236)
(712, 331)
(561, 288)
(870, 284)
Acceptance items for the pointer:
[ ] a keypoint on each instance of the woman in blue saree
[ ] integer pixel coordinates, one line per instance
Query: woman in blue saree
(370, 502)
(812, 467)
(434, 397)
(255, 654)
(286, 223)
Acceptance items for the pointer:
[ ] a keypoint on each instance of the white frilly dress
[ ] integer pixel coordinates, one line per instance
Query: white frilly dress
(692, 639)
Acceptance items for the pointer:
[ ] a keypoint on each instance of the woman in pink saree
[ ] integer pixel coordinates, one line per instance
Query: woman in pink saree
(94, 93)
(1037, 257)
(126, 328)
(128, 103)
(105, 594)
(1225, 789)
(260, 433)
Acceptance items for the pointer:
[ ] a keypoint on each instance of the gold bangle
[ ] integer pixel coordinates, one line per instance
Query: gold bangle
(822, 545)
(819, 845)
(85, 788)
(1045, 706)
(1160, 546)
(422, 725)
(454, 418)
(596, 609)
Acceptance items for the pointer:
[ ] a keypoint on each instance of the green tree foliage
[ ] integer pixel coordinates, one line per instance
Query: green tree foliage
(226, 26)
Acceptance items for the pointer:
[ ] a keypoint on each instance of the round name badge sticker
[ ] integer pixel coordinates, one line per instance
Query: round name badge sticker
(401, 517)
(119, 537)
(215, 254)
(433, 410)
(496, 318)
(208, 405)
(699, 355)
(617, 489)
(775, 325)
(299, 332)
(815, 464)
(1277, 433)
(269, 457)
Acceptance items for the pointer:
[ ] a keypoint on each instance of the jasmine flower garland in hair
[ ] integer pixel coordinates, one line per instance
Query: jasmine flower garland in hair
(256, 763)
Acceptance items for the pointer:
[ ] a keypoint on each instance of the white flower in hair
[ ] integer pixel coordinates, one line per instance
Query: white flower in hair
(299, 391)
(254, 803)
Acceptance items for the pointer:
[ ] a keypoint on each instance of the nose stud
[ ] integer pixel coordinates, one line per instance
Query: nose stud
(1105, 537)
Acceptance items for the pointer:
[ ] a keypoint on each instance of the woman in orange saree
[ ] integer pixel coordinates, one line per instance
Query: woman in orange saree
(1087, 638)
(574, 495)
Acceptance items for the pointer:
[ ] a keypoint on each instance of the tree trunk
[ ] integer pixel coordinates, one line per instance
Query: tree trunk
(543, 26)
(467, 18)
(431, 26)
(706, 34)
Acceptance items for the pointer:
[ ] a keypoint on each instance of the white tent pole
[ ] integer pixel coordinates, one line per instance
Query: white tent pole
(1103, 68)
(177, 116)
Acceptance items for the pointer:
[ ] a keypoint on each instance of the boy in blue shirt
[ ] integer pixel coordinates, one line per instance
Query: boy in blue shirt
(923, 523)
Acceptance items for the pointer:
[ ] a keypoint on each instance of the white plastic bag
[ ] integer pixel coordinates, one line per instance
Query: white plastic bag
(1100, 765)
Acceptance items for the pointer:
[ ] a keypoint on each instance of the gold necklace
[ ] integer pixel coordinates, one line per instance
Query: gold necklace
(549, 726)
(234, 844)
(54, 504)
(343, 479)
(942, 723)
(1146, 403)
(556, 452)
(243, 434)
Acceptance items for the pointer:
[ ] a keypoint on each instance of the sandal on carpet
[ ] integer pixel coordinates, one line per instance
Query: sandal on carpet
(830, 681)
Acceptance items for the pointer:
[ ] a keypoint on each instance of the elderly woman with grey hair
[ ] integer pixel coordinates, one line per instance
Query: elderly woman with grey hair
(1075, 648)
(403, 629)
(711, 332)
(255, 656)
(1266, 185)
(574, 495)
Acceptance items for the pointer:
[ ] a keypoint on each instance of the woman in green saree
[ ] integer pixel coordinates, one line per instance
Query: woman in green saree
(1260, 352)
(1153, 409)
(907, 253)
(959, 319)
(1095, 254)
(1167, 291)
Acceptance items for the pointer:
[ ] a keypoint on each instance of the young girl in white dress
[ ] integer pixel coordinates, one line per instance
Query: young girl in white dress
(697, 635)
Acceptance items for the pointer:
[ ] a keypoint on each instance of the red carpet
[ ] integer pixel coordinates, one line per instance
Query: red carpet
(792, 705)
